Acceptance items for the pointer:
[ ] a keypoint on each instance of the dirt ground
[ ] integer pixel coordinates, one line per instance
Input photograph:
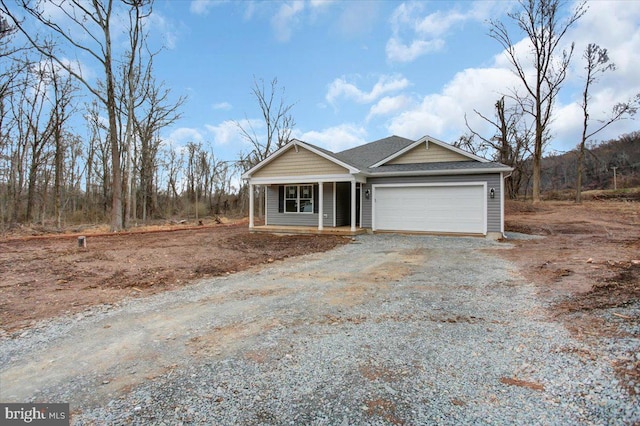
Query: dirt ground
(588, 263)
(590, 257)
(50, 275)
(590, 253)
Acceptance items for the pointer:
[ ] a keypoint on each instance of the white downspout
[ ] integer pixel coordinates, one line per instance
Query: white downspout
(353, 205)
(502, 202)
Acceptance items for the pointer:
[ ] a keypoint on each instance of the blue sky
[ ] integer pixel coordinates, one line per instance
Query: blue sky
(341, 64)
(358, 71)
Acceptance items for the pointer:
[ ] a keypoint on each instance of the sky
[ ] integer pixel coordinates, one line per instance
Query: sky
(358, 71)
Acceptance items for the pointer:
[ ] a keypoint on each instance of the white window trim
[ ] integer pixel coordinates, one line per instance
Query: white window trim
(298, 198)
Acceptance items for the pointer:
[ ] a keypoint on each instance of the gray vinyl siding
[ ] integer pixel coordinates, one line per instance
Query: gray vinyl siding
(492, 180)
(299, 219)
(366, 205)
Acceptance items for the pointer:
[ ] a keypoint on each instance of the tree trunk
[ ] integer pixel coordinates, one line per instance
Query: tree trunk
(116, 172)
(537, 152)
(128, 182)
(31, 191)
(59, 164)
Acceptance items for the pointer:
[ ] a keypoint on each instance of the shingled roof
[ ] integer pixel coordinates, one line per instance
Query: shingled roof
(364, 156)
(361, 159)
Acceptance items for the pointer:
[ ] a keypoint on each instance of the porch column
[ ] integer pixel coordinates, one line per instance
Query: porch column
(251, 194)
(353, 205)
(320, 211)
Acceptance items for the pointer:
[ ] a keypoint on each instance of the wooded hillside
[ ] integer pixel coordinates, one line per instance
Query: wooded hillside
(619, 157)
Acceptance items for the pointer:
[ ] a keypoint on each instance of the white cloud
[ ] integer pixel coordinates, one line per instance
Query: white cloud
(442, 114)
(184, 135)
(103, 121)
(438, 23)
(228, 132)
(569, 116)
(222, 106)
(415, 34)
(337, 138)
(287, 19)
(202, 7)
(320, 3)
(76, 66)
(389, 105)
(386, 84)
(163, 29)
(357, 18)
(613, 87)
(397, 51)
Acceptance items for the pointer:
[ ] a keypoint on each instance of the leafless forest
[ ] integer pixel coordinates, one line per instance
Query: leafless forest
(80, 148)
(75, 149)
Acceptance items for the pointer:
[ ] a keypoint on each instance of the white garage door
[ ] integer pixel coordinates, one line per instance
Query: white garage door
(457, 209)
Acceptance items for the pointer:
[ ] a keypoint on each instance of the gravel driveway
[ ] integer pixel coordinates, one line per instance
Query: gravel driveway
(386, 330)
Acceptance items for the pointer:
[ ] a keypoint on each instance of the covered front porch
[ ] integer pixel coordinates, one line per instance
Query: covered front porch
(318, 206)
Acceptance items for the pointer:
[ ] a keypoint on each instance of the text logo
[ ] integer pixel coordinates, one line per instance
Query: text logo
(34, 414)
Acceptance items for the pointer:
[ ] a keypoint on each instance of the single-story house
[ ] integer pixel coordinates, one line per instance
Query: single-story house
(393, 184)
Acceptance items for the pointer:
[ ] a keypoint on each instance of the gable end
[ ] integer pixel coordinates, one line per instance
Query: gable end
(426, 152)
(299, 161)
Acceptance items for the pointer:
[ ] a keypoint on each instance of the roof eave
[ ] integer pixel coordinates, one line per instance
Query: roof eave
(446, 172)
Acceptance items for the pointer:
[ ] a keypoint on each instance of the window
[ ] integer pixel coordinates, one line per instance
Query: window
(298, 199)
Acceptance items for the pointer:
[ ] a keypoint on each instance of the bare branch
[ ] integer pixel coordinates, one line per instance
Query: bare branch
(277, 118)
(539, 20)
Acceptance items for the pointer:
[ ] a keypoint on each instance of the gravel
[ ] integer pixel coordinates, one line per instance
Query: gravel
(521, 236)
(389, 329)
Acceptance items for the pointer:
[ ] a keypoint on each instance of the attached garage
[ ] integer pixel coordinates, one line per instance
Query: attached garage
(438, 208)
(393, 184)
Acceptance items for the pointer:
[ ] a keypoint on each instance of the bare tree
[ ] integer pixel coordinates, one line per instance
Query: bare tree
(597, 63)
(8, 53)
(9, 71)
(278, 122)
(40, 107)
(132, 95)
(540, 21)
(93, 20)
(510, 143)
(97, 160)
(220, 182)
(38, 129)
(277, 117)
(73, 172)
(8, 75)
(174, 164)
(158, 112)
(62, 96)
(198, 173)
